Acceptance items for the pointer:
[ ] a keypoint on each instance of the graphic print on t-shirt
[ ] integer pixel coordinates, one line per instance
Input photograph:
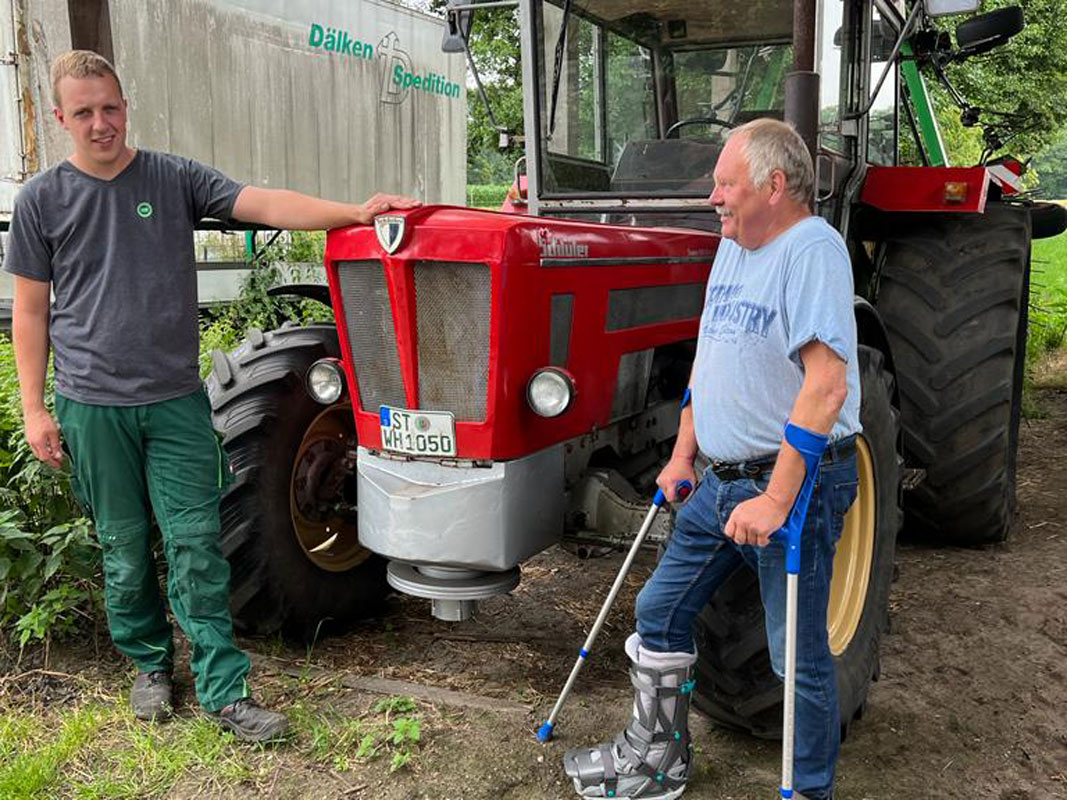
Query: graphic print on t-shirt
(727, 317)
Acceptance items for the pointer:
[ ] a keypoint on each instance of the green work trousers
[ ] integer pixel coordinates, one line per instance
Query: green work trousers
(128, 461)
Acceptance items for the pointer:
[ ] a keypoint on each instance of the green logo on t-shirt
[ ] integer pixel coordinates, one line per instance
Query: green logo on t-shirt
(144, 210)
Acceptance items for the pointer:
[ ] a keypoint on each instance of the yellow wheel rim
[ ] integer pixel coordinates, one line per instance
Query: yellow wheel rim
(321, 522)
(854, 557)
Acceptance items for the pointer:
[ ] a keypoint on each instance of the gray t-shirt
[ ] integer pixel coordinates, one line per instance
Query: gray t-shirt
(760, 308)
(120, 257)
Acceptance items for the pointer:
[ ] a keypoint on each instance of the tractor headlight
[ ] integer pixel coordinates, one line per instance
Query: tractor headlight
(550, 392)
(325, 381)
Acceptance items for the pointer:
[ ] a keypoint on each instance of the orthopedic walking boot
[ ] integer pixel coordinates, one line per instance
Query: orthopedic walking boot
(650, 759)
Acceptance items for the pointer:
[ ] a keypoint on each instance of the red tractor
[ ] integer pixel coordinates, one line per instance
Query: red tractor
(498, 382)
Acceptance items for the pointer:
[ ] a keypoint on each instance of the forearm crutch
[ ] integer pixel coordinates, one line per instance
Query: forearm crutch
(683, 488)
(810, 445)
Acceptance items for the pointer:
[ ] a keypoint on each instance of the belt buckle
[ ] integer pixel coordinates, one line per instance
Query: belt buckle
(723, 470)
(751, 470)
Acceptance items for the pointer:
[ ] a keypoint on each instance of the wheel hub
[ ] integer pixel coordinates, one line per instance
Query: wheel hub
(322, 498)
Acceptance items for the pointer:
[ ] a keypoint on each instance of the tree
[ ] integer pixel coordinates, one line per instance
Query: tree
(1024, 80)
(1051, 168)
(495, 48)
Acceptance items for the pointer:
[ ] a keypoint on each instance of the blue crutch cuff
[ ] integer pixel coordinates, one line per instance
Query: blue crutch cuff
(810, 445)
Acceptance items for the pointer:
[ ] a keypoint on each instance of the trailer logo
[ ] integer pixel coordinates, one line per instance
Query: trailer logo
(555, 246)
(338, 41)
(399, 77)
(390, 230)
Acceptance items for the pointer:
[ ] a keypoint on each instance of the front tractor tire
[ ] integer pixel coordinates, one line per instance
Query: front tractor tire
(736, 685)
(954, 293)
(289, 517)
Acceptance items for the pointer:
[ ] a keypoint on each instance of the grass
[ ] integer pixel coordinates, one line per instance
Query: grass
(100, 751)
(1048, 314)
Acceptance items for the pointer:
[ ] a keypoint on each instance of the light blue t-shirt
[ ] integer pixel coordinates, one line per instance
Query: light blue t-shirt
(760, 308)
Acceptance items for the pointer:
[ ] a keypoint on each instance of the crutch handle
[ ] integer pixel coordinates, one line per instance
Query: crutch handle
(682, 490)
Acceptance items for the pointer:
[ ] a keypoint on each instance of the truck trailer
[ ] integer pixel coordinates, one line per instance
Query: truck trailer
(337, 100)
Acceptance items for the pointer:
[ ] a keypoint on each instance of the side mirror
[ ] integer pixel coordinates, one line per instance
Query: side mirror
(982, 33)
(457, 27)
(941, 8)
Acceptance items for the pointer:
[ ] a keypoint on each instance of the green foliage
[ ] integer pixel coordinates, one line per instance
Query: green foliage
(1048, 298)
(1048, 319)
(494, 45)
(47, 580)
(97, 752)
(486, 195)
(1026, 78)
(963, 145)
(41, 494)
(30, 771)
(490, 166)
(304, 247)
(393, 728)
(49, 562)
(224, 327)
(1051, 168)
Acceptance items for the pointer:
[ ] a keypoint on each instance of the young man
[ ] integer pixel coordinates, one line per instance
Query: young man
(787, 355)
(109, 231)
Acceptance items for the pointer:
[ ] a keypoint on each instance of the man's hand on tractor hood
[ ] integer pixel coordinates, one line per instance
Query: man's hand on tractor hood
(381, 203)
(281, 208)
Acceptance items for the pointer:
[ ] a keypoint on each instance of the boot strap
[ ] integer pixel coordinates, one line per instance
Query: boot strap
(610, 779)
(661, 692)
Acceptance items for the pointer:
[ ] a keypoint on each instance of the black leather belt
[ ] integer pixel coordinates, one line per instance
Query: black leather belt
(755, 467)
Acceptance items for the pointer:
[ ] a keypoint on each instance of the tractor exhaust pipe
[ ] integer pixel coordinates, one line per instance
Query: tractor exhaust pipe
(802, 84)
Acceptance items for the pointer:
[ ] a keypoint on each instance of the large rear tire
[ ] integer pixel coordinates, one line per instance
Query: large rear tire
(294, 490)
(954, 296)
(735, 685)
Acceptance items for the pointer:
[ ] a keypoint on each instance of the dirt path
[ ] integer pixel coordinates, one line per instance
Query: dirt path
(972, 701)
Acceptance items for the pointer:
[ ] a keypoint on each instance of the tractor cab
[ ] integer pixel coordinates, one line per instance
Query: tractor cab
(631, 103)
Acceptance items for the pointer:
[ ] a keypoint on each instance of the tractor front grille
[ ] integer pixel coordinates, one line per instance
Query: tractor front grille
(371, 334)
(453, 302)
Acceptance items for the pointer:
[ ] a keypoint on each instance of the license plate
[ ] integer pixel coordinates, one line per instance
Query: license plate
(418, 433)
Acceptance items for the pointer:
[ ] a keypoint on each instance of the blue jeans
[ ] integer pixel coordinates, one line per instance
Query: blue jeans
(699, 557)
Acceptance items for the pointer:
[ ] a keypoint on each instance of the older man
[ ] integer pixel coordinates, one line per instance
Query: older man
(110, 232)
(777, 344)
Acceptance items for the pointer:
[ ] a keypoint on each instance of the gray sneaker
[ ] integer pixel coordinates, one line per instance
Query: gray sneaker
(250, 722)
(150, 697)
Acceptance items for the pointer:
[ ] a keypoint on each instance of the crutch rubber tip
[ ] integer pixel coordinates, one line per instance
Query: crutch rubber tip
(544, 733)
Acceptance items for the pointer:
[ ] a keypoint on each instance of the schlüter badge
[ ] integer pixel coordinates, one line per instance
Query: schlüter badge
(390, 230)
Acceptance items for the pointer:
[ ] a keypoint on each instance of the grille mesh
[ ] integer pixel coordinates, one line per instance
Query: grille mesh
(371, 334)
(453, 301)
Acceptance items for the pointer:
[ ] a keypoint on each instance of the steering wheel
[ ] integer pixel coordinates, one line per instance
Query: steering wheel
(673, 130)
